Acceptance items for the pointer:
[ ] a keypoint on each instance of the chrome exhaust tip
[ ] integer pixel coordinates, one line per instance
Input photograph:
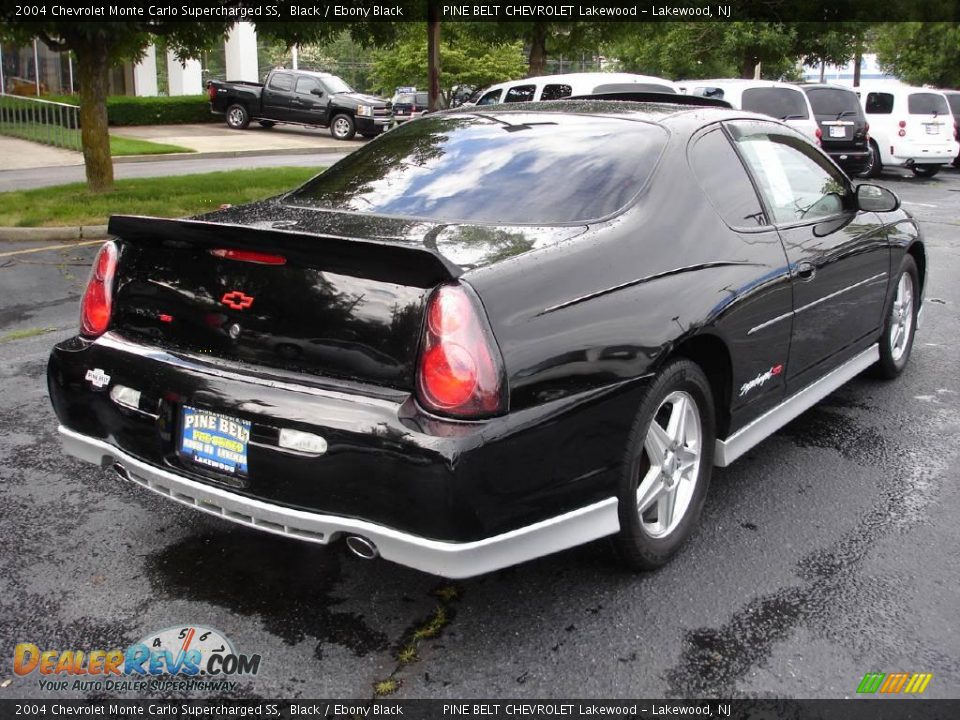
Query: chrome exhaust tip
(362, 548)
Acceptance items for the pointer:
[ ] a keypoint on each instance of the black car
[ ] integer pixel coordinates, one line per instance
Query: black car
(843, 129)
(300, 97)
(440, 353)
(409, 105)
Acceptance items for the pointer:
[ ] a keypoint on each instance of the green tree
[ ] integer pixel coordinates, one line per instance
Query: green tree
(99, 46)
(920, 52)
(467, 60)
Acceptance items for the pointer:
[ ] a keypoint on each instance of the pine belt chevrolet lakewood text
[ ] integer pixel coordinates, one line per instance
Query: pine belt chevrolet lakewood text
(493, 333)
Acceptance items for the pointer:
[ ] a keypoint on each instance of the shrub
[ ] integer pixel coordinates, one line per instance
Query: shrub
(130, 110)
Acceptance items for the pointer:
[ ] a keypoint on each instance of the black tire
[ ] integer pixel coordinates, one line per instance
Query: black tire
(266, 123)
(237, 117)
(925, 170)
(646, 540)
(342, 127)
(874, 165)
(895, 351)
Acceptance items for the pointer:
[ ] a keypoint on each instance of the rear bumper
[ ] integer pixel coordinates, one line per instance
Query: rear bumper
(453, 560)
(390, 470)
(852, 161)
(908, 153)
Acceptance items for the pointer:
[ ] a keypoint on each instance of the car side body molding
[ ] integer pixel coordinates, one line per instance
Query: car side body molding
(741, 441)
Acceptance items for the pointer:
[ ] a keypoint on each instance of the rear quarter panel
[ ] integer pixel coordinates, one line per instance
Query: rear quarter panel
(609, 306)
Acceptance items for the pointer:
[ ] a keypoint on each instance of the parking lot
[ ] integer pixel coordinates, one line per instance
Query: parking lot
(827, 552)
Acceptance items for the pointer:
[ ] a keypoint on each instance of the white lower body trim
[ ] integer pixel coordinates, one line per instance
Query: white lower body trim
(449, 559)
(737, 444)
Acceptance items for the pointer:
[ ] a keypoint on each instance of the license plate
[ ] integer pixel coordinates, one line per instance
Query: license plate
(933, 129)
(215, 441)
(836, 131)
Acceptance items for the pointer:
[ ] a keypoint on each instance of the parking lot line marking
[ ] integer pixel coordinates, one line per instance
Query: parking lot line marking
(910, 202)
(52, 247)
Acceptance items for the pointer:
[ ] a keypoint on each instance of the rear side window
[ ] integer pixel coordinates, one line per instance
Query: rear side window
(953, 100)
(725, 181)
(490, 169)
(781, 103)
(520, 93)
(835, 102)
(879, 103)
(281, 81)
(555, 92)
(927, 104)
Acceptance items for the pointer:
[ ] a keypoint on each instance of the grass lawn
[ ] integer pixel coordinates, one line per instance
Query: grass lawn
(71, 139)
(176, 196)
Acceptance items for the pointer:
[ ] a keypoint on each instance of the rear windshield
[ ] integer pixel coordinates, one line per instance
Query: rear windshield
(781, 103)
(927, 104)
(502, 168)
(828, 101)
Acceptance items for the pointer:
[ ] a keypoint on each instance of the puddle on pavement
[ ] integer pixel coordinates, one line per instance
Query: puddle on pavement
(831, 602)
(285, 583)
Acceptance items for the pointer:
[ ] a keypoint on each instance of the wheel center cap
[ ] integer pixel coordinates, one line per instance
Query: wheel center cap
(670, 465)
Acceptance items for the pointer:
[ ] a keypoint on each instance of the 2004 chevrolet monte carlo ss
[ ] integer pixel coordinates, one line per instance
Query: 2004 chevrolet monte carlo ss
(491, 335)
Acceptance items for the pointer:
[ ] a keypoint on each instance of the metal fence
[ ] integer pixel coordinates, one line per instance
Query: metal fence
(42, 121)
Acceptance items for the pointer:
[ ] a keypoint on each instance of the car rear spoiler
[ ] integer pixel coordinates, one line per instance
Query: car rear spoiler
(400, 263)
(668, 98)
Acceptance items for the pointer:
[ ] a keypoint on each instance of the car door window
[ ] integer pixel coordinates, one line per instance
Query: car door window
(520, 93)
(879, 103)
(725, 181)
(491, 98)
(281, 81)
(797, 185)
(555, 92)
(305, 85)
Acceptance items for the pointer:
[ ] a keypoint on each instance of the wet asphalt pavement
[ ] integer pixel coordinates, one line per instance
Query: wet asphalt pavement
(829, 551)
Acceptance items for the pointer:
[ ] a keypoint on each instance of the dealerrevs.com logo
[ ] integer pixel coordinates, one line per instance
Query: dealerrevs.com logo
(179, 658)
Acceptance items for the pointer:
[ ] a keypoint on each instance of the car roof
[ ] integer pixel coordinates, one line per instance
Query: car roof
(661, 113)
(824, 86)
(572, 78)
(740, 82)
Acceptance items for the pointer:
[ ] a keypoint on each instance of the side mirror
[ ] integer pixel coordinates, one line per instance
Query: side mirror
(317, 91)
(874, 198)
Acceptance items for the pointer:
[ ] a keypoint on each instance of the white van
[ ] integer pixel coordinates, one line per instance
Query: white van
(556, 87)
(780, 100)
(910, 127)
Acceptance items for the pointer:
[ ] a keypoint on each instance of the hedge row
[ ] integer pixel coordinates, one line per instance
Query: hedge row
(129, 110)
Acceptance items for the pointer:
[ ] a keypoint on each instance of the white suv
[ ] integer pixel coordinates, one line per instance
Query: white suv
(556, 87)
(780, 100)
(910, 127)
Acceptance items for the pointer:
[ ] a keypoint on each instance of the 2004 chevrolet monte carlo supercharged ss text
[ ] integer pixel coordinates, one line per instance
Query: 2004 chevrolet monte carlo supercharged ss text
(491, 335)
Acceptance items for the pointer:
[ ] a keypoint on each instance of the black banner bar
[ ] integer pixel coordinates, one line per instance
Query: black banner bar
(519, 709)
(347, 11)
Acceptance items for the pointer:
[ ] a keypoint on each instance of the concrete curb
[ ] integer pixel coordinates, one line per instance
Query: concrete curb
(234, 154)
(59, 234)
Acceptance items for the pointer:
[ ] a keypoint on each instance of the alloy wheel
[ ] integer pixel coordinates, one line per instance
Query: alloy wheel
(901, 318)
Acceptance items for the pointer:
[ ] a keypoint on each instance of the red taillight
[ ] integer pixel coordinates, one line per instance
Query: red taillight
(460, 372)
(249, 256)
(902, 123)
(97, 304)
(819, 135)
(211, 92)
(866, 131)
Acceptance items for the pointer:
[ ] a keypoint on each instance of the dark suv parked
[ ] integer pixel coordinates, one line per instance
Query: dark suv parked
(842, 126)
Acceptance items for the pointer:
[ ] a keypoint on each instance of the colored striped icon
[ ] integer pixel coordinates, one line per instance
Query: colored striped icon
(893, 683)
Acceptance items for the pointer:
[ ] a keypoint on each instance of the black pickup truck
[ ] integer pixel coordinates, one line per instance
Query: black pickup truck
(303, 98)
